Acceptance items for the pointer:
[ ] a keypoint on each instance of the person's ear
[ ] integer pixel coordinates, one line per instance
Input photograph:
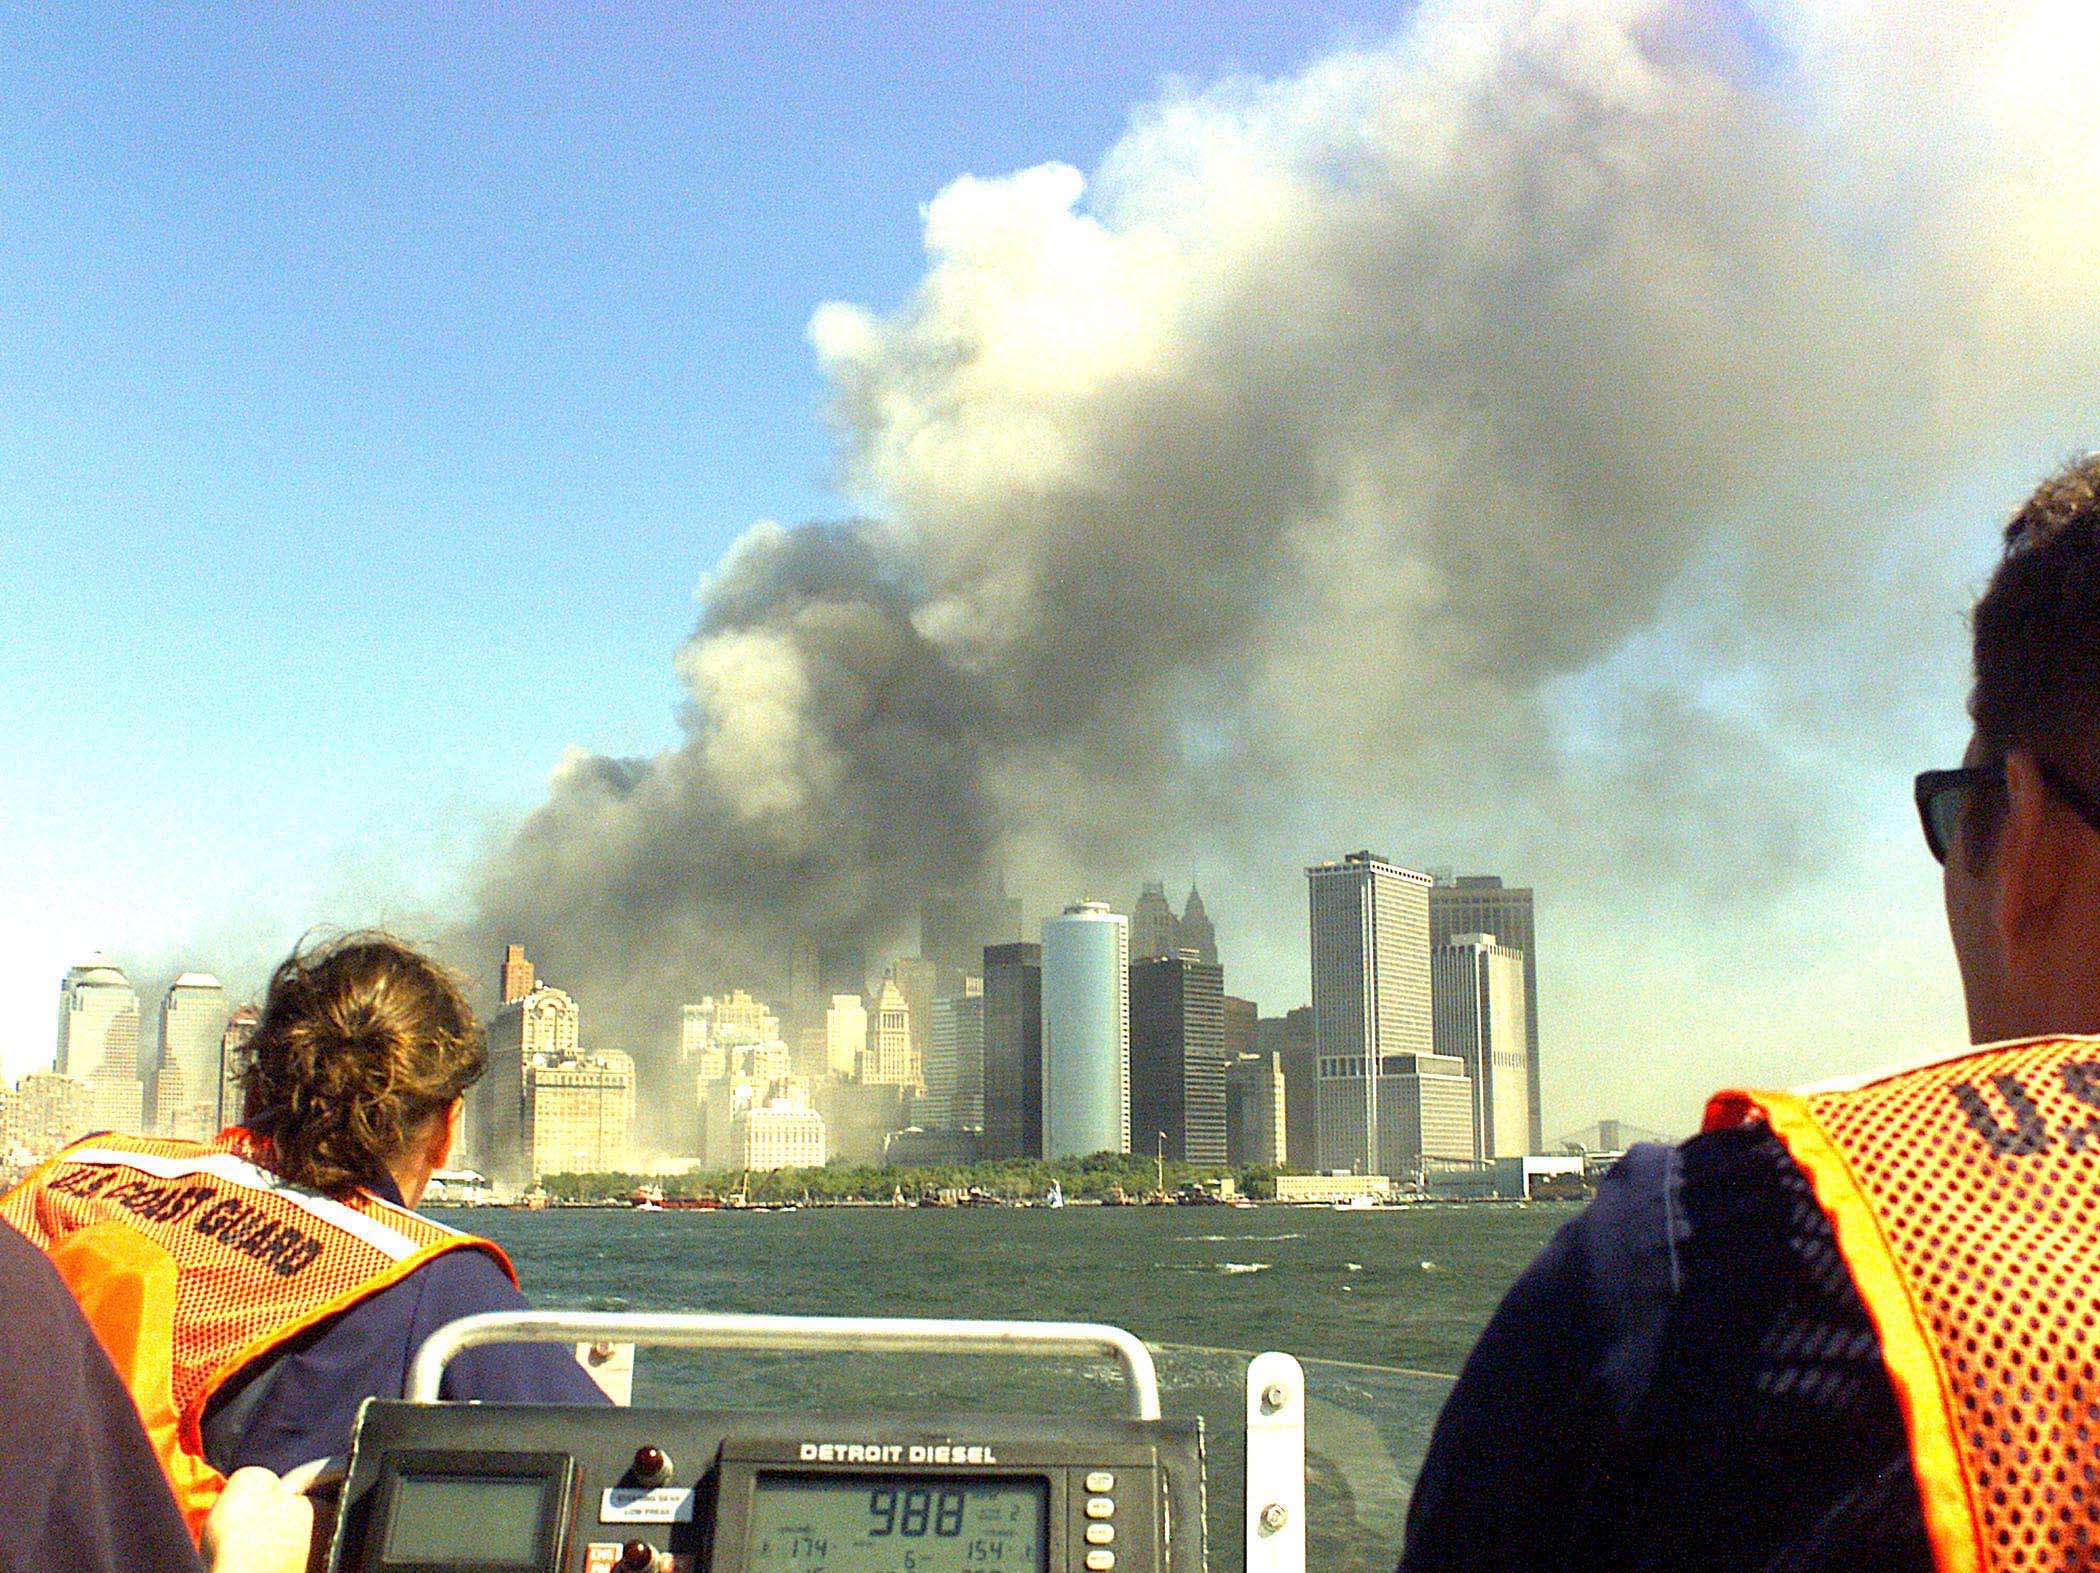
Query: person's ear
(2034, 858)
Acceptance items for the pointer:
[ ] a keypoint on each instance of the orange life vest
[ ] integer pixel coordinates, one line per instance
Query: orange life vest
(1965, 1197)
(191, 1260)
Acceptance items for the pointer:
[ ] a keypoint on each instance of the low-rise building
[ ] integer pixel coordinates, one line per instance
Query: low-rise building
(780, 1133)
(1329, 1188)
(45, 1112)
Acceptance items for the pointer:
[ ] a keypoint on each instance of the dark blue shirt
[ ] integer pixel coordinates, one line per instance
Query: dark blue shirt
(316, 1384)
(1685, 1377)
(80, 1487)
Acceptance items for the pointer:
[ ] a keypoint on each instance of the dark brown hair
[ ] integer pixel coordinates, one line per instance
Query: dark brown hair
(2037, 631)
(362, 1040)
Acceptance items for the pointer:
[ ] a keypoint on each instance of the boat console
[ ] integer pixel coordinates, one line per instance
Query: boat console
(499, 1488)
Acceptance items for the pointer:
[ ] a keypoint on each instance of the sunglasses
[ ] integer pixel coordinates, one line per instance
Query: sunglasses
(1943, 794)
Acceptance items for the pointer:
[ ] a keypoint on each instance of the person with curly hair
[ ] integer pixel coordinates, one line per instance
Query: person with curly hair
(254, 1290)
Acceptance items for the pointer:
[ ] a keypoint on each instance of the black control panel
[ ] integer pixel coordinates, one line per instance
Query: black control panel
(502, 1488)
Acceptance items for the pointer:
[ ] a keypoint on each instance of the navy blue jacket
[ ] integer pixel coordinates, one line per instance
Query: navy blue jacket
(1685, 1377)
(80, 1487)
(318, 1381)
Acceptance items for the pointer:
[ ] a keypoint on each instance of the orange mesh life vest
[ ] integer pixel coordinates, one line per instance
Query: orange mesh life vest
(1965, 1198)
(191, 1260)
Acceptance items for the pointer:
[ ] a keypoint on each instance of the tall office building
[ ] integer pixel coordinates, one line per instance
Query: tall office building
(890, 1060)
(1013, 1050)
(1290, 1038)
(539, 1028)
(1242, 1018)
(1196, 931)
(233, 1062)
(1482, 904)
(1154, 930)
(955, 927)
(1478, 989)
(1256, 1111)
(845, 1034)
(1177, 1057)
(193, 1020)
(1370, 1004)
(98, 1041)
(954, 1098)
(1086, 1031)
(519, 979)
(579, 1112)
(842, 966)
(915, 979)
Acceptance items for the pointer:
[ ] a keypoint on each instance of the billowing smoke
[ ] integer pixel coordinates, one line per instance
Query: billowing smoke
(1559, 441)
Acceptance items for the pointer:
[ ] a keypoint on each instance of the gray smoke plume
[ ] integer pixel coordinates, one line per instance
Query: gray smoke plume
(1527, 444)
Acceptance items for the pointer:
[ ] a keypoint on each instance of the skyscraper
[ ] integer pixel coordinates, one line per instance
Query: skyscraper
(98, 1041)
(890, 1060)
(1482, 904)
(518, 975)
(1177, 1057)
(1290, 1038)
(955, 926)
(1196, 931)
(1256, 1110)
(1086, 1031)
(955, 1061)
(845, 1034)
(916, 981)
(1013, 1050)
(1478, 989)
(1370, 1004)
(193, 1020)
(233, 1062)
(1154, 930)
(579, 1112)
(541, 1027)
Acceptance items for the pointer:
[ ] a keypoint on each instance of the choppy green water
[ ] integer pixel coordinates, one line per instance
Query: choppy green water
(1375, 1303)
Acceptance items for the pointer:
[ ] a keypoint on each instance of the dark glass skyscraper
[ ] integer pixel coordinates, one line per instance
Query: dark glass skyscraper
(1013, 1050)
(1177, 1057)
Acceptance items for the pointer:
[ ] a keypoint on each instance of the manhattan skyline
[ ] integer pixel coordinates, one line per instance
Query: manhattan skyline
(389, 465)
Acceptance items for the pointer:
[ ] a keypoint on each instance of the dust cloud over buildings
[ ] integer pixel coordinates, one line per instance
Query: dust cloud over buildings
(1500, 433)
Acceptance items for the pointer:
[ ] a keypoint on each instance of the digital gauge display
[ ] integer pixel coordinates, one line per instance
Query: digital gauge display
(899, 1524)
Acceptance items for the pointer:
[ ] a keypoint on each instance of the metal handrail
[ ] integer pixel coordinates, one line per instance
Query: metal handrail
(733, 1330)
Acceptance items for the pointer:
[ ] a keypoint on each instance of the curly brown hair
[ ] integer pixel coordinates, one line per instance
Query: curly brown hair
(2037, 641)
(362, 1040)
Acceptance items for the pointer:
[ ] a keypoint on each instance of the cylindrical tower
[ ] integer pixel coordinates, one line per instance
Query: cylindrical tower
(1086, 1032)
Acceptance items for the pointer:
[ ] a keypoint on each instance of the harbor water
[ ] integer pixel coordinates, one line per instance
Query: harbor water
(1380, 1305)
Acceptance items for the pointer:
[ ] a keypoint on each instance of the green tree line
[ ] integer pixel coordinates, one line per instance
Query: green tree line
(1009, 1179)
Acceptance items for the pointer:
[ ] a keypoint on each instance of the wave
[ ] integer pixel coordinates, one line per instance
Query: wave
(1219, 1239)
(1244, 1267)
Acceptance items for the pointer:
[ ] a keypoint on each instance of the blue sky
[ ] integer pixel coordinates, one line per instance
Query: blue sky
(378, 385)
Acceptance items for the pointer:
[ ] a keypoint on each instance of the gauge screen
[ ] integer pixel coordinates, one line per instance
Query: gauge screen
(899, 1524)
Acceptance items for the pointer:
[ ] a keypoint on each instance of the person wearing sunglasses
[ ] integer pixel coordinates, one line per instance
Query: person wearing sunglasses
(1854, 1326)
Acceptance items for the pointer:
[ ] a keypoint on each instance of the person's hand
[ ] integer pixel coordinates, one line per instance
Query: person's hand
(258, 1525)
